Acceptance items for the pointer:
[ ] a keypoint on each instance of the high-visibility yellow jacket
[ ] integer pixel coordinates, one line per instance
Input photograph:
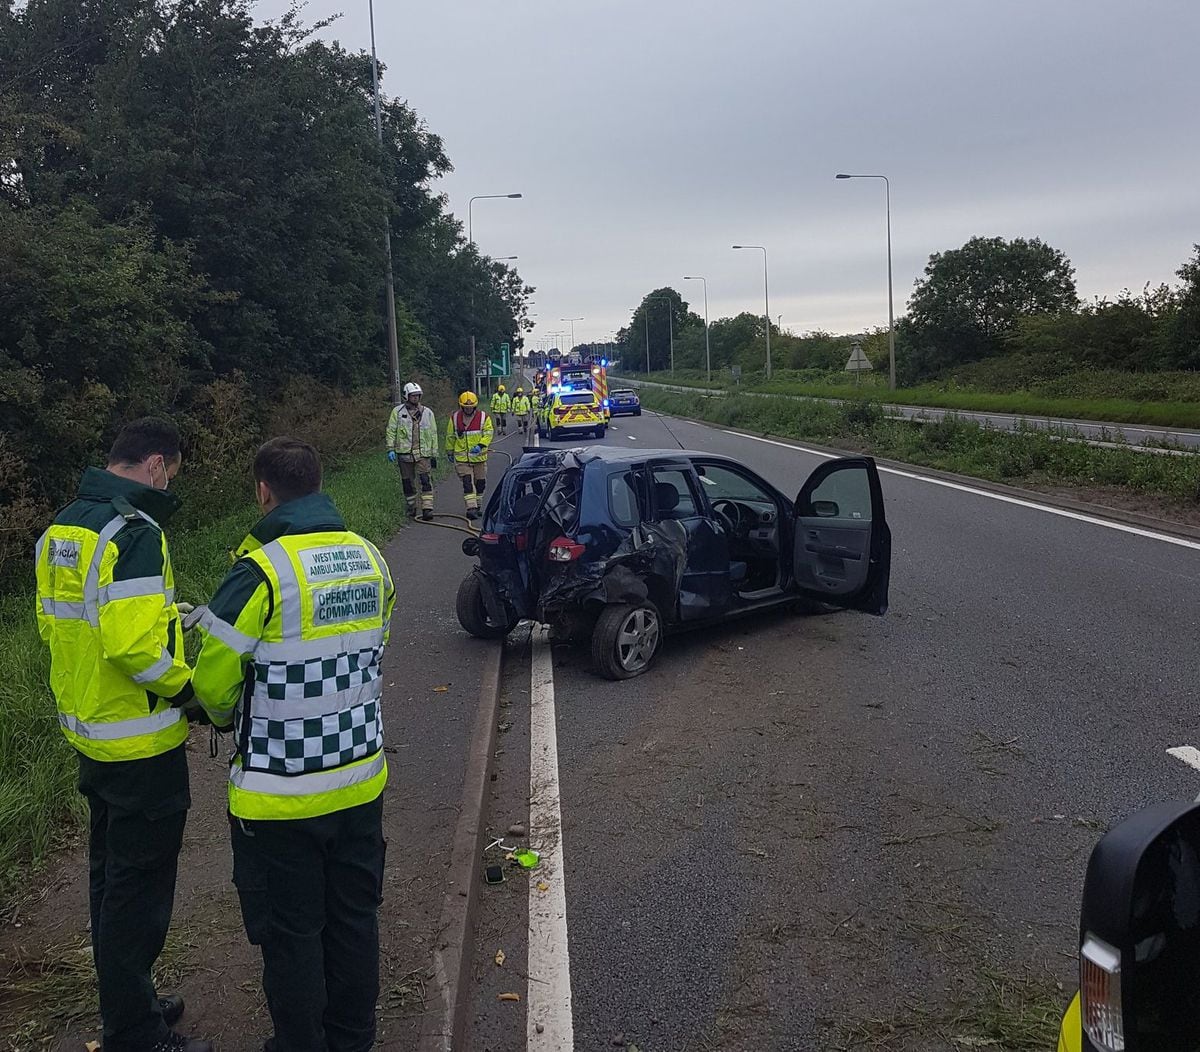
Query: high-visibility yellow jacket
(465, 434)
(407, 440)
(1070, 1034)
(520, 405)
(290, 660)
(106, 608)
(501, 402)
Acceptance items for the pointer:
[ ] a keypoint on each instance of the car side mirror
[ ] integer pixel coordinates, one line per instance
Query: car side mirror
(1139, 935)
(826, 509)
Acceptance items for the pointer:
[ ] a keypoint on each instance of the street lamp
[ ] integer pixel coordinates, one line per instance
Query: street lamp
(670, 330)
(707, 353)
(471, 241)
(887, 189)
(572, 321)
(393, 344)
(766, 302)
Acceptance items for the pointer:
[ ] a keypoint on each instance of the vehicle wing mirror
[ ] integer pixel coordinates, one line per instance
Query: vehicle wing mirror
(1139, 957)
(826, 509)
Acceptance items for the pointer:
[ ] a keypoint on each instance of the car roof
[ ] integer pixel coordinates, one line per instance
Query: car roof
(617, 455)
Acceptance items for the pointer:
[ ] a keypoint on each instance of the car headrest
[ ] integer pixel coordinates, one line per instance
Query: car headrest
(666, 496)
(525, 506)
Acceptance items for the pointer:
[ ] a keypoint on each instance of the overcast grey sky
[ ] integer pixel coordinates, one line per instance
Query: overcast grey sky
(648, 137)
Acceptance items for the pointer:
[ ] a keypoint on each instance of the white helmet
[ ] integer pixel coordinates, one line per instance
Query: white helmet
(412, 389)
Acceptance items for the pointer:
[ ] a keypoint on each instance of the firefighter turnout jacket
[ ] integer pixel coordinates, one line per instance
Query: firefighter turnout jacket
(467, 434)
(501, 403)
(409, 440)
(106, 608)
(290, 660)
(520, 405)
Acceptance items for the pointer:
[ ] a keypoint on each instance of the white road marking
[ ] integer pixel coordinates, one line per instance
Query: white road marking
(1189, 754)
(1121, 527)
(549, 1025)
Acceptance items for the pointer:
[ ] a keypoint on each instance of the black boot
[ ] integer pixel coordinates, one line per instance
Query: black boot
(427, 514)
(171, 1007)
(174, 1042)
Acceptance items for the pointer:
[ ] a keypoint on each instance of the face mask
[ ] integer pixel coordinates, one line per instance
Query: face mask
(162, 466)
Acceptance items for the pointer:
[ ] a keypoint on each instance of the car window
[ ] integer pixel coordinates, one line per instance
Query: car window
(721, 483)
(577, 399)
(623, 500)
(843, 494)
(678, 505)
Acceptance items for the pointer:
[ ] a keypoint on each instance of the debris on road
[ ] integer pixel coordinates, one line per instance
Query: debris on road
(543, 886)
(500, 958)
(442, 689)
(508, 997)
(516, 830)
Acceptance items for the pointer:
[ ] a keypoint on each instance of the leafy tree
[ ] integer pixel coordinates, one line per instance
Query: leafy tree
(662, 311)
(971, 297)
(1184, 335)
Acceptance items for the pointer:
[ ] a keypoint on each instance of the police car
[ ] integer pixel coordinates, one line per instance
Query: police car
(571, 413)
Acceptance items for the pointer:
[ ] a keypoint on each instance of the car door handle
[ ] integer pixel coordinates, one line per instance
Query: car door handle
(836, 551)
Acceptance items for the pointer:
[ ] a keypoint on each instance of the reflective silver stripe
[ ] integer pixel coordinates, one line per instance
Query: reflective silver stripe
(135, 587)
(64, 610)
(289, 588)
(227, 634)
(321, 647)
(39, 548)
(159, 668)
(311, 708)
(383, 566)
(305, 784)
(108, 732)
(91, 583)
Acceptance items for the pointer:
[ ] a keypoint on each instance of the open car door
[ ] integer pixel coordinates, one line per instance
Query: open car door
(842, 547)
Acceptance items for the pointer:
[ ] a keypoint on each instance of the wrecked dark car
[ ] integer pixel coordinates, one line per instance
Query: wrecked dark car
(631, 545)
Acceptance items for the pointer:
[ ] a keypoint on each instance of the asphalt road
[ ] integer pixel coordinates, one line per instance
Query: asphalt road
(1091, 430)
(844, 831)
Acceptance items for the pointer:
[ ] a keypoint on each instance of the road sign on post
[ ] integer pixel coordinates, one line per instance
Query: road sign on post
(858, 363)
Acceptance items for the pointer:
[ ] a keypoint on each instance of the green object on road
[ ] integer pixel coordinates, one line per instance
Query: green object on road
(527, 859)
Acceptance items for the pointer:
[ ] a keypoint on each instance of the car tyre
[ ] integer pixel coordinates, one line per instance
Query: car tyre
(553, 434)
(626, 639)
(601, 431)
(472, 611)
(637, 412)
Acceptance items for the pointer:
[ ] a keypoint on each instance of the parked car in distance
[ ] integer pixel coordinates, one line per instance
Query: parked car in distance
(631, 545)
(624, 401)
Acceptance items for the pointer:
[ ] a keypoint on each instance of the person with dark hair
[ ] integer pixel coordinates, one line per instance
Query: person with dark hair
(106, 608)
(290, 661)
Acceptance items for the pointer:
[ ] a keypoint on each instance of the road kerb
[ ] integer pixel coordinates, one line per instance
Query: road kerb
(443, 1024)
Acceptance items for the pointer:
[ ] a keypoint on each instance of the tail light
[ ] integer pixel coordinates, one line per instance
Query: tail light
(1100, 994)
(564, 550)
(521, 541)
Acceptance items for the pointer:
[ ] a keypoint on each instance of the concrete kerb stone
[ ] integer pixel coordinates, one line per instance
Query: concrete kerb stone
(443, 1024)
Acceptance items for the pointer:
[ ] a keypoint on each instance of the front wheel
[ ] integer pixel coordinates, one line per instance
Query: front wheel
(473, 615)
(626, 639)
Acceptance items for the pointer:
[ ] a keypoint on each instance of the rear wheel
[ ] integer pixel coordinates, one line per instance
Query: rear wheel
(600, 431)
(626, 639)
(637, 412)
(473, 615)
(553, 434)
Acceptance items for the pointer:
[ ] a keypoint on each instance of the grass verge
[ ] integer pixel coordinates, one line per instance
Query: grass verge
(1018, 403)
(39, 807)
(1032, 458)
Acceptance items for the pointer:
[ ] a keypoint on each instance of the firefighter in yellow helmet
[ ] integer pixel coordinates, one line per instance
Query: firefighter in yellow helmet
(501, 404)
(521, 409)
(292, 644)
(468, 437)
(106, 608)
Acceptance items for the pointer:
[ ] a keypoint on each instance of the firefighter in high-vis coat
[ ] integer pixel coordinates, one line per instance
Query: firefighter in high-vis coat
(521, 408)
(290, 661)
(501, 404)
(106, 608)
(413, 445)
(468, 437)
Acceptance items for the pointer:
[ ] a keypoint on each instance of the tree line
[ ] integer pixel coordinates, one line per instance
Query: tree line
(990, 298)
(192, 209)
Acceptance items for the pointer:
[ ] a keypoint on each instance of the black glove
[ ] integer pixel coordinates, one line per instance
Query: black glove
(433, 463)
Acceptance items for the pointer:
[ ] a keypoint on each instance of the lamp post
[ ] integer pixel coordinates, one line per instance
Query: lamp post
(766, 301)
(389, 281)
(471, 241)
(887, 196)
(670, 330)
(707, 352)
(572, 321)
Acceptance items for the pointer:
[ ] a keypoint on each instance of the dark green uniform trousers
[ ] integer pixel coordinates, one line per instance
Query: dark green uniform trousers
(310, 890)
